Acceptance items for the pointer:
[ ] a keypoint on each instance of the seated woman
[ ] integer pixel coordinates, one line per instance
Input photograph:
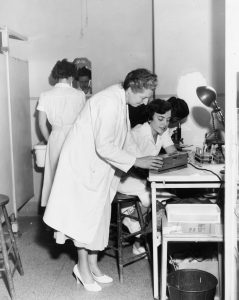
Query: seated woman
(180, 110)
(143, 140)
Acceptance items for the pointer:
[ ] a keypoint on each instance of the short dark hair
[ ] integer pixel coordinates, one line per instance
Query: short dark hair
(139, 80)
(180, 108)
(63, 69)
(83, 72)
(158, 106)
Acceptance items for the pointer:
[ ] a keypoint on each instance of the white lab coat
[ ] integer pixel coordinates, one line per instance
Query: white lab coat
(62, 104)
(84, 181)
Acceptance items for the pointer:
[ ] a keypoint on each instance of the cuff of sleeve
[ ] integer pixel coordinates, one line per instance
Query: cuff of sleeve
(131, 164)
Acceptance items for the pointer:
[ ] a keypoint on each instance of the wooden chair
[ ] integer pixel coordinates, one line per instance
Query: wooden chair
(8, 246)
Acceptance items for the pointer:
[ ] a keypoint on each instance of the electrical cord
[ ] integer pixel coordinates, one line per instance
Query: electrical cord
(221, 181)
(203, 169)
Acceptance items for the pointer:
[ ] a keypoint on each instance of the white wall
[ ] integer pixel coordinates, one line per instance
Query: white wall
(117, 36)
(189, 52)
(189, 38)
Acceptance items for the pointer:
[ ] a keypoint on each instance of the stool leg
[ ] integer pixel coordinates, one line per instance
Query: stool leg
(13, 241)
(119, 242)
(6, 263)
(142, 225)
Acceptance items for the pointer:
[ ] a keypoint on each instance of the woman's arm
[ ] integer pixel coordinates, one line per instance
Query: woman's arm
(105, 131)
(149, 162)
(42, 121)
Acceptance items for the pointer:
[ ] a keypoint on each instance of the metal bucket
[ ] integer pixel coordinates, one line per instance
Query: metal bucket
(191, 284)
(40, 155)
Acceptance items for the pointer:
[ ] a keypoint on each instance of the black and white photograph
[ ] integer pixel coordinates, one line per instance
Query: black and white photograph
(119, 152)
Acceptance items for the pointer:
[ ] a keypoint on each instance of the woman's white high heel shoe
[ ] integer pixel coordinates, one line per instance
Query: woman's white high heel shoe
(91, 287)
(102, 278)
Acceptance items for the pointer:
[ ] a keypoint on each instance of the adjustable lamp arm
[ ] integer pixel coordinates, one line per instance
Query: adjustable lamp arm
(219, 113)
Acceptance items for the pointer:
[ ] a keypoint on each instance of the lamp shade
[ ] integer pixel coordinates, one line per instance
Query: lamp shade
(207, 95)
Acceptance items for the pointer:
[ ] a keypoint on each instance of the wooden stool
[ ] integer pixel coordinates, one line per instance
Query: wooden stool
(123, 236)
(7, 249)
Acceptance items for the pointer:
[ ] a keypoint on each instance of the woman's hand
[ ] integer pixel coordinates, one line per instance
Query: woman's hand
(149, 162)
(42, 121)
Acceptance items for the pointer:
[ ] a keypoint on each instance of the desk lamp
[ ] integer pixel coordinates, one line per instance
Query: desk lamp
(208, 97)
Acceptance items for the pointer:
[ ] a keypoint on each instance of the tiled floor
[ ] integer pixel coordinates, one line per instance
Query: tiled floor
(48, 271)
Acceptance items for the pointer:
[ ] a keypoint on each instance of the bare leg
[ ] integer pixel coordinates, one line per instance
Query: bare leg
(93, 263)
(83, 265)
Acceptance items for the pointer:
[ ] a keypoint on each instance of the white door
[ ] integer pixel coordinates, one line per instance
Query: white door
(6, 186)
(21, 130)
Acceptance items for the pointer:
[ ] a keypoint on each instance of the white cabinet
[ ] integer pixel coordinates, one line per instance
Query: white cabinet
(15, 128)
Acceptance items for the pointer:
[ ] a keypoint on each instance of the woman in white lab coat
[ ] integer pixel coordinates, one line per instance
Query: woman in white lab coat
(80, 202)
(59, 106)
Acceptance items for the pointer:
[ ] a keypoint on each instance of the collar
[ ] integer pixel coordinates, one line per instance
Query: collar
(149, 133)
(122, 93)
(62, 84)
